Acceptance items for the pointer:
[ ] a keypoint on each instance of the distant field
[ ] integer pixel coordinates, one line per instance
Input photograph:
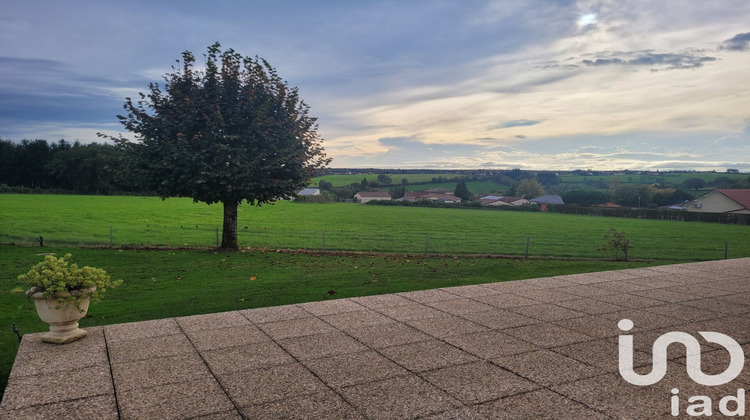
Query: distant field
(342, 180)
(676, 178)
(139, 221)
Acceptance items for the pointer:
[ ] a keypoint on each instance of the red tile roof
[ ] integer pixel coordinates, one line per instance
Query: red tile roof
(741, 196)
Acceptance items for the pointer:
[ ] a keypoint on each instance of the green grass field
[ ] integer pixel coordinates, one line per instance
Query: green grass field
(169, 283)
(148, 221)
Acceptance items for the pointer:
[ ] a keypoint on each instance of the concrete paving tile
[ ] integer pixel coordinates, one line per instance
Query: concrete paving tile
(211, 321)
(546, 283)
(101, 407)
(382, 301)
(723, 305)
(716, 361)
(682, 313)
(224, 415)
(324, 405)
(148, 348)
(142, 329)
(460, 306)
(446, 325)
(664, 295)
(329, 307)
(584, 290)
(425, 296)
(321, 345)
(470, 291)
(295, 328)
(351, 320)
(612, 395)
(550, 296)
(590, 306)
(591, 278)
(275, 313)
(489, 344)
(594, 326)
(462, 413)
(547, 312)
(541, 404)
(478, 382)
(498, 319)
(403, 397)
(427, 355)
(227, 337)
(547, 335)
(602, 354)
(547, 367)
(411, 311)
(385, 335)
(630, 301)
(354, 368)
(250, 356)
(644, 319)
(94, 340)
(274, 383)
(657, 282)
(506, 300)
(700, 291)
(197, 397)
(623, 286)
(157, 372)
(50, 358)
(27, 391)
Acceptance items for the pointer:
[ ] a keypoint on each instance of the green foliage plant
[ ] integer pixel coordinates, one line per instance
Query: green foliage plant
(56, 278)
(617, 242)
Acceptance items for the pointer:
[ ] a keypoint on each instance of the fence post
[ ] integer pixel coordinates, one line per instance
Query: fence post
(426, 244)
(726, 250)
(111, 237)
(528, 239)
(217, 237)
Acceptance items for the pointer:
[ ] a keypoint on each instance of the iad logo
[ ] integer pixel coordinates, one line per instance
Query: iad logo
(702, 405)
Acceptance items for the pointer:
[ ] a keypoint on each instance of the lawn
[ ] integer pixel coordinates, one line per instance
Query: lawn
(169, 283)
(148, 221)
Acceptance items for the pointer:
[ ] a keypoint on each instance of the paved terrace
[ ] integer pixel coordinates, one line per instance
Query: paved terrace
(541, 348)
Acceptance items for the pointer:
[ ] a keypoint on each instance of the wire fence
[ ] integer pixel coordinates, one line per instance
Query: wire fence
(415, 243)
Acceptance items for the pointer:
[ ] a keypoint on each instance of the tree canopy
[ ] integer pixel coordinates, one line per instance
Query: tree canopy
(232, 132)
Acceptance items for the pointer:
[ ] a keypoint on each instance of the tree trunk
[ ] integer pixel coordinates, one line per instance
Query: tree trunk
(229, 232)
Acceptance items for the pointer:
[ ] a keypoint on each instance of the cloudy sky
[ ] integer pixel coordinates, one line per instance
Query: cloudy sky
(419, 83)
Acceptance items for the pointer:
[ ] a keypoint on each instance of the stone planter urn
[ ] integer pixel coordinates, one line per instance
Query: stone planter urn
(62, 317)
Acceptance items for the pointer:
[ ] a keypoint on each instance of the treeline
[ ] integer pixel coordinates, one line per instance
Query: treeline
(63, 166)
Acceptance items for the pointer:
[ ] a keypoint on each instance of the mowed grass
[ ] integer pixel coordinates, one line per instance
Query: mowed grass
(171, 283)
(175, 222)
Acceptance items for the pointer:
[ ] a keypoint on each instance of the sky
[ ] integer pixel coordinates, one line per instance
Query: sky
(459, 84)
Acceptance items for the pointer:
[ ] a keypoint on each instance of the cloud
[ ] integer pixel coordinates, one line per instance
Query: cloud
(516, 123)
(739, 42)
(689, 59)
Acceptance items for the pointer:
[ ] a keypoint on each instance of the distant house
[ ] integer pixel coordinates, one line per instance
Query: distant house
(721, 201)
(432, 195)
(309, 191)
(494, 200)
(547, 200)
(366, 196)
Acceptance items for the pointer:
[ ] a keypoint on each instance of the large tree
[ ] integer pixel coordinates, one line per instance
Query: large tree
(229, 133)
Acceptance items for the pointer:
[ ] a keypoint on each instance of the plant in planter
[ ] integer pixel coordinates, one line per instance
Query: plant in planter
(62, 292)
